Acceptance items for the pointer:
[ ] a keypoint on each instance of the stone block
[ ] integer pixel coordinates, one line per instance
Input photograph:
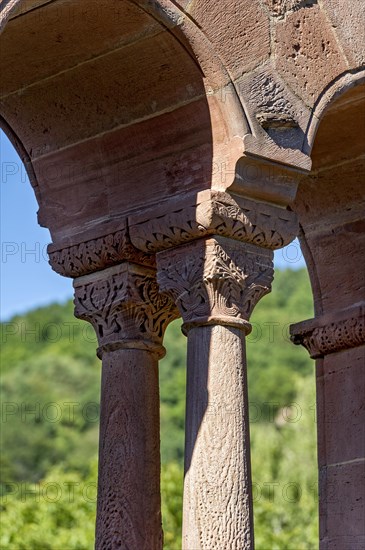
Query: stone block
(348, 20)
(126, 169)
(307, 54)
(342, 488)
(239, 32)
(341, 416)
(103, 94)
(61, 26)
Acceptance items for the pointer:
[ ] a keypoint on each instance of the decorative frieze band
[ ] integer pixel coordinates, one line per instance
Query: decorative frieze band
(97, 254)
(213, 213)
(332, 332)
(204, 214)
(125, 307)
(215, 280)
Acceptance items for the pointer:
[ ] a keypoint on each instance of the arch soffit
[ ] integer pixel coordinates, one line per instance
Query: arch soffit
(327, 98)
(229, 113)
(241, 132)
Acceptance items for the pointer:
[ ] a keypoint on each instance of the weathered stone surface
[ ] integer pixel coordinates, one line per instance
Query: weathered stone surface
(129, 316)
(307, 53)
(343, 502)
(238, 31)
(62, 25)
(343, 119)
(330, 205)
(343, 395)
(125, 307)
(341, 284)
(279, 8)
(94, 98)
(213, 213)
(184, 4)
(99, 174)
(347, 18)
(331, 333)
(216, 283)
(96, 254)
(274, 106)
(215, 279)
(129, 501)
(217, 486)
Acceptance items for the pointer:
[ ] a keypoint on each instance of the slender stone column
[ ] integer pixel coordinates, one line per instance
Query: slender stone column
(216, 283)
(129, 316)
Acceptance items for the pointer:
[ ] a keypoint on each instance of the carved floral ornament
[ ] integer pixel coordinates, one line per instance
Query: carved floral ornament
(125, 307)
(214, 213)
(331, 333)
(197, 215)
(95, 254)
(215, 281)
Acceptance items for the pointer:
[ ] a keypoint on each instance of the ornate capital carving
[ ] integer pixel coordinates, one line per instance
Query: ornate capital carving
(95, 254)
(125, 307)
(213, 213)
(215, 281)
(332, 332)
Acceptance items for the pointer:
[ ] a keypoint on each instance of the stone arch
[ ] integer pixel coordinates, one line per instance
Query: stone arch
(326, 100)
(336, 143)
(205, 78)
(330, 205)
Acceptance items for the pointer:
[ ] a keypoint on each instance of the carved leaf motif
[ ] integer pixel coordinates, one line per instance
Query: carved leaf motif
(97, 254)
(125, 305)
(345, 334)
(215, 279)
(258, 223)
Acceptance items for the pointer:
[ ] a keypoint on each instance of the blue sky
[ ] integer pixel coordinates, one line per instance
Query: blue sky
(27, 280)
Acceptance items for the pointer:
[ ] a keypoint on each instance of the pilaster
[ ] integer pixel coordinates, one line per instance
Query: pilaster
(331, 333)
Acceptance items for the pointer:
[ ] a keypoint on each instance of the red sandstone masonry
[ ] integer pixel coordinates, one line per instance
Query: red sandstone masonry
(239, 32)
(343, 388)
(306, 52)
(347, 19)
(153, 105)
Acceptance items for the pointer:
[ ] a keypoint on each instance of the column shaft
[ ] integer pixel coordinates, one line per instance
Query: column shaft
(216, 283)
(128, 513)
(217, 487)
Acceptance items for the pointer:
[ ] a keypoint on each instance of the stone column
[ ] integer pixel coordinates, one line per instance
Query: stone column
(214, 258)
(216, 283)
(129, 316)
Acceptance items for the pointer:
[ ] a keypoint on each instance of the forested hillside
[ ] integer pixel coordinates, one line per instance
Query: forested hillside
(50, 393)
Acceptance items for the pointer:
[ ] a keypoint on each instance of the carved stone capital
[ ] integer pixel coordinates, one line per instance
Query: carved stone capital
(213, 213)
(215, 280)
(125, 307)
(95, 254)
(332, 332)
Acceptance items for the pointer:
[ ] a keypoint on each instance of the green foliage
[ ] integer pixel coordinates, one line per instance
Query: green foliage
(285, 477)
(172, 392)
(50, 390)
(50, 416)
(274, 364)
(55, 514)
(171, 496)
